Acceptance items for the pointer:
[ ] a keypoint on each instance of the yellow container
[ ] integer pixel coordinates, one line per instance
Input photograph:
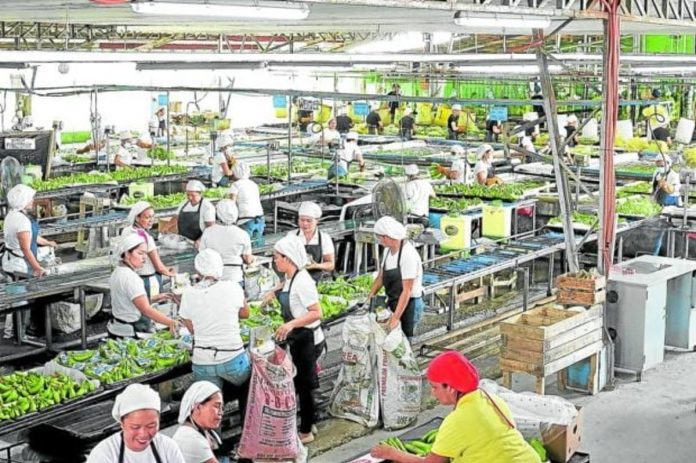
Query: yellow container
(443, 113)
(281, 113)
(385, 116)
(175, 107)
(141, 190)
(497, 221)
(424, 113)
(324, 114)
(457, 229)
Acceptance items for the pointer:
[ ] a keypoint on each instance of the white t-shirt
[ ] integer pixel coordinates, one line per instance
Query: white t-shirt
(248, 199)
(411, 266)
(148, 268)
(107, 451)
(329, 136)
(207, 211)
(459, 166)
(672, 179)
(125, 285)
(481, 166)
(15, 222)
(193, 445)
(351, 152)
(232, 243)
(528, 144)
(327, 245)
(418, 193)
(214, 312)
(125, 155)
(302, 295)
(216, 174)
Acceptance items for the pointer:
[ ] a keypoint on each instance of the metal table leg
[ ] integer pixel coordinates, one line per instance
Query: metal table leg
(83, 318)
(552, 264)
(451, 308)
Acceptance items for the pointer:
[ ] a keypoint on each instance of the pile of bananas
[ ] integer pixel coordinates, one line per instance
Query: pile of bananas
(25, 392)
(420, 447)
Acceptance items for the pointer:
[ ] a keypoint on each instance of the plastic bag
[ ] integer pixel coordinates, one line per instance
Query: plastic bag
(176, 242)
(400, 378)
(270, 426)
(355, 395)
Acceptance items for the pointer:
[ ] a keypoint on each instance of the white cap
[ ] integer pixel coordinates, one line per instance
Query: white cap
(456, 107)
(352, 136)
(310, 209)
(411, 169)
(137, 209)
(125, 135)
(19, 197)
(483, 149)
(197, 393)
(572, 119)
(195, 185)
(241, 170)
(208, 263)
(133, 398)
(388, 226)
(408, 112)
(292, 248)
(224, 141)
(457, 150)
(227, 211)
(129, 242)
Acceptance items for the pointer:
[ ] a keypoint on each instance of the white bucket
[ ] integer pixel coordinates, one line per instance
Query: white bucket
(685, 130)
(532, 116)
(591, 130)
(624, 129)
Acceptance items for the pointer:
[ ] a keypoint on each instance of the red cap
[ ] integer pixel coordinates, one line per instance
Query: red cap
(455, 370)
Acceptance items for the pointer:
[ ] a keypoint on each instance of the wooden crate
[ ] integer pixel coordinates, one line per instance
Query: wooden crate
(580, 291)
(546, 340)
(570, 281)
(579, 297)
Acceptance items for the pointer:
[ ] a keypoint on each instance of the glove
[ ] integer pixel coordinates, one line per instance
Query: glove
(442, 170)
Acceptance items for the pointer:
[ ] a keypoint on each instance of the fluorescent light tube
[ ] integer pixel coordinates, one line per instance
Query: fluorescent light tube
(285, 10)
(501, 21)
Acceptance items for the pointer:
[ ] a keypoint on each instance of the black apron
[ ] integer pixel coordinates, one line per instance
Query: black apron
(301, 342)
(122, 450)
(189, 222)
(451, 134)
(392, 281)
(315, 252)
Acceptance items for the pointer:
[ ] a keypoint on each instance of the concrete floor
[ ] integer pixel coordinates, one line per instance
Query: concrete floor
(649, 421)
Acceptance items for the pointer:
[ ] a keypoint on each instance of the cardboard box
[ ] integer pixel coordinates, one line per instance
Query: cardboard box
(562, 442)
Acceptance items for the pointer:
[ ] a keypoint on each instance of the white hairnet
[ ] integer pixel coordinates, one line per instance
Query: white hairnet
(457, 150)
(133, 398)
(20, 196)
(128, 242)
(227, 211)
(388, 226)
(137, 209)
(352, 136)
(195, 185)
(208, 263)
(197, 393)
(292, 248)
(411, 169)
(241, 170)
(572, 119)
(125, 135)
(456, 107)
(224, 141)
(483, 149)
(408, 112)
(667, 162)
(310, 209)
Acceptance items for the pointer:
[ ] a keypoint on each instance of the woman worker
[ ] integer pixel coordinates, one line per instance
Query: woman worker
(299, 301)
(350, 153)
(130, 307)
(418, 193)
(484, 172)
(666, 184)
(231, 242)
(246, 193)
(200, 414)
(222, 172)
(318, 244)
(123, 157)
(479, 429)
(140, 218)
(137, 410)
(211, 311)
(196, 214)
(401, 274)
(22, 241)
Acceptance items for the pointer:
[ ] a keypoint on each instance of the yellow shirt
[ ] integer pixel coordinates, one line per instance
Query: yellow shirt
(476, 433)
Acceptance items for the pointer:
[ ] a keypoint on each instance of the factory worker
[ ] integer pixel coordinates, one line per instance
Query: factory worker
(230, 241)
(299, 301)
(493, 130)
(92, 146)
(329, 136)
(343, 122)
(406, 125)
(211, 311)
(140, 219)
(570, 128)
(200, 414)
(394, 105)
(374, 121)
(418, 193)
(666, 185)
(22, 241)
(453, 128)
(318, 244)
(161, 121)
(223, 160)
(401, 274)
(131, 311)
(196, 214)
(246, 193)
(137, 410)
(459, 170)
(479, 429)
(350, 153)
(484, 172)
(124, 156)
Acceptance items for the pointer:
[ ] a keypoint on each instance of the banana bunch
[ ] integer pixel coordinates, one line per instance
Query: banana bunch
(28, 392)
(420, 447)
